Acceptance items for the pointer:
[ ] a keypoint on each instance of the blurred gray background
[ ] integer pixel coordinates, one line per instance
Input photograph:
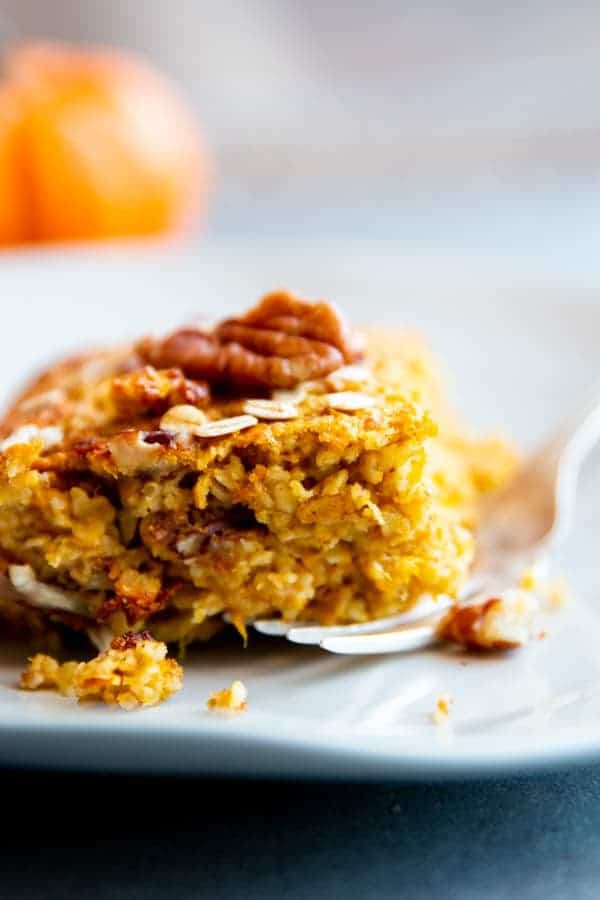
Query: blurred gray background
(461, 124)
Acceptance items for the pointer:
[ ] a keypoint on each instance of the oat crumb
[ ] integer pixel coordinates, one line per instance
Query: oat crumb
(133, 672)
(233, 698)
(441, 713)
(43, 672)
(556, 594)
(529, 579)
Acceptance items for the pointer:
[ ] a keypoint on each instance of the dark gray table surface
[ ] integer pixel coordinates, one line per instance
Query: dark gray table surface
(123, 837)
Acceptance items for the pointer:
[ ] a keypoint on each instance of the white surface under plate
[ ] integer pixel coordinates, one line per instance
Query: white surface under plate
(520, 351)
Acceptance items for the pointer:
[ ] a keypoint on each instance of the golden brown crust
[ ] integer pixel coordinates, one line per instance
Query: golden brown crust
(53, 395)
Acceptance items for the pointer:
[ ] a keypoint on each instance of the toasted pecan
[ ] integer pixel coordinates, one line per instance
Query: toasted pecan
(467, 626)
(280, 343)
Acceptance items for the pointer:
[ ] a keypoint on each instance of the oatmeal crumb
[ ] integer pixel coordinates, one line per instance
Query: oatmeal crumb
(553, 592)
(133, 672)
(233, 698)
(441, 713)
(46, 673)
(556, 594)
(529, 579)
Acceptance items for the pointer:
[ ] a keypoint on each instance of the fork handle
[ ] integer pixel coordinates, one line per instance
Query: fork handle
(579, 432)
(567, 450)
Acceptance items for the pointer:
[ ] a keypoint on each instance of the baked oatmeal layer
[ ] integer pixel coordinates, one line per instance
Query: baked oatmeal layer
(279, 469)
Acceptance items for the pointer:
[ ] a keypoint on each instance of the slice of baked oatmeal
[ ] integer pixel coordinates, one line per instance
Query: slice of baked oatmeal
(278, 464)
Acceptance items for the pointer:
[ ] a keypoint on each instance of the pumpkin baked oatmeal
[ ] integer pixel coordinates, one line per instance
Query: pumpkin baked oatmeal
(276, 464)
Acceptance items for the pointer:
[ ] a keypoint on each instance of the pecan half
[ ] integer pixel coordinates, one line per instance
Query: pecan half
(280, 343)
(149, 391)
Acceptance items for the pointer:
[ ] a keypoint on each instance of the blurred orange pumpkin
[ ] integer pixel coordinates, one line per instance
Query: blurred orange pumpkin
(93, 144)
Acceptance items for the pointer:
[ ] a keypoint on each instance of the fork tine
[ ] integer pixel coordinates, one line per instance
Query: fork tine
(273, 627)
(316, 634)
(401, 639)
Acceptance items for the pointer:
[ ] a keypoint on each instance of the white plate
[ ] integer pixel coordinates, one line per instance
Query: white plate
(520, 350)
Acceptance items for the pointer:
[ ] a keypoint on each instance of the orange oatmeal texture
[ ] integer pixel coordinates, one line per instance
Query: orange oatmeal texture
(277, 465)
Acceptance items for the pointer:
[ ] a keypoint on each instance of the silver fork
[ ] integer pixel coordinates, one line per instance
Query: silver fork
(520, 527)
